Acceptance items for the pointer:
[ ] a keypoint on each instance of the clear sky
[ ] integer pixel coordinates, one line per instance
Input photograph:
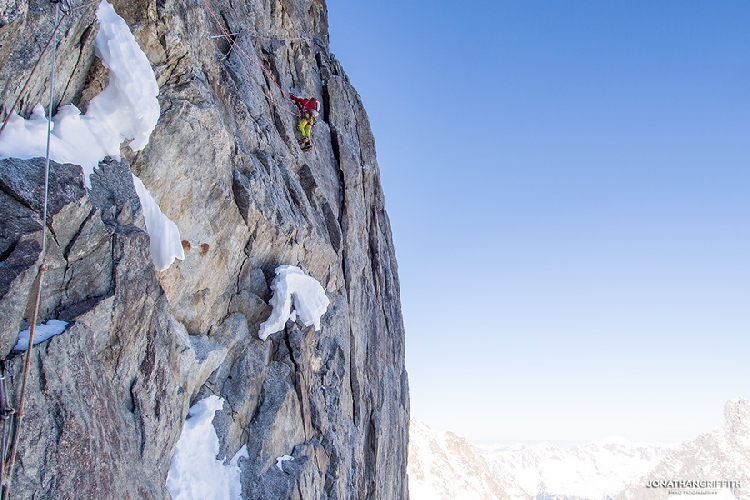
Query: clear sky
(569, 188)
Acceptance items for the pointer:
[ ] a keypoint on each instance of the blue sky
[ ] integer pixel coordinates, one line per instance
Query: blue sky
(569, 191)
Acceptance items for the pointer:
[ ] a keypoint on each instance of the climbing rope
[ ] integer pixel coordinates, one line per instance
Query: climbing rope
(234, 43)
(6, 415)
(272, 38)
(42, 268)
(231, 37)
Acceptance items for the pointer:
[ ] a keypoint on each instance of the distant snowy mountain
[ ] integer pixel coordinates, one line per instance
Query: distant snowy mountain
(443, 466)
(595, 470)
(722, 455)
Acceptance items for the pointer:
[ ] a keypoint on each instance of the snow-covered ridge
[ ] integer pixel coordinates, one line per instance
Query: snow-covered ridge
(445, 466)
(126, 110)
(595, 470)
(720, 455)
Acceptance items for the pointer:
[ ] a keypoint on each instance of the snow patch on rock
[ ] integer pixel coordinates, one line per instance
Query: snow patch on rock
(292, 286)
(194, 473)
(281, 460)
(43, 332)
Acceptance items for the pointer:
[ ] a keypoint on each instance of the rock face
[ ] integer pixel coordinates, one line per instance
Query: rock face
(107, 399)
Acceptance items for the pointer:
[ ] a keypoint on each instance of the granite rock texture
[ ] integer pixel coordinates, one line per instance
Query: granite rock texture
(107, 398)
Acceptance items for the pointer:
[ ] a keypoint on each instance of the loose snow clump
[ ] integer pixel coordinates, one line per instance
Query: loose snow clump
(291, 285)
(126, 110)
(194, 473)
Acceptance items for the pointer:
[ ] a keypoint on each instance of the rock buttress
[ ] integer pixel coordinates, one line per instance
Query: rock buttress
(108, 398)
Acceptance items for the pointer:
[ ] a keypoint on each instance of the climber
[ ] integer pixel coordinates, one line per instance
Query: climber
(307, 109)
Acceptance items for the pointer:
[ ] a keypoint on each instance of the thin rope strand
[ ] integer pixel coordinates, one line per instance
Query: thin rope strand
(234, 43)
(42, 269)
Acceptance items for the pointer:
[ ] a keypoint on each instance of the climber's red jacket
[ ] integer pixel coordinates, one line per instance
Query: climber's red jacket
(305, 105)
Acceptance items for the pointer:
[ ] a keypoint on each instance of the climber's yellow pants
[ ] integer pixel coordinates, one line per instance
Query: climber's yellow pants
(304, 126)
